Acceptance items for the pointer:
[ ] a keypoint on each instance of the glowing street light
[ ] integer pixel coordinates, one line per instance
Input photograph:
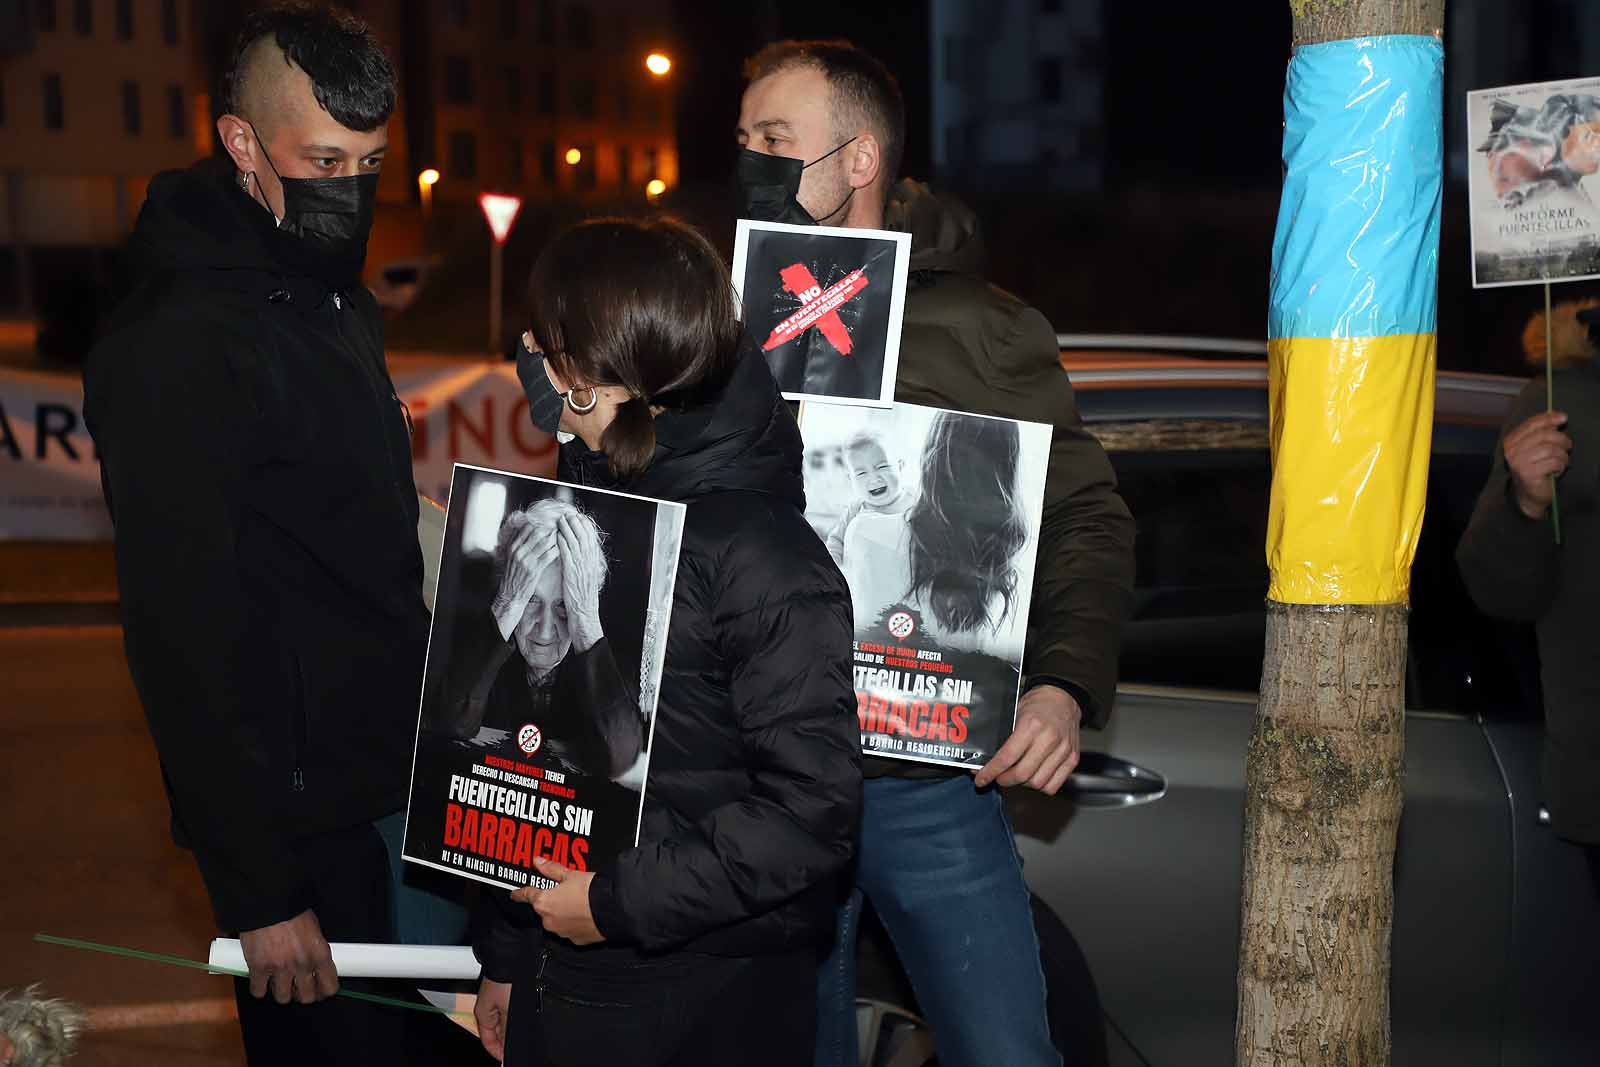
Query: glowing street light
(574, 157)
(657, 64)
(655, 188)
(425, 184)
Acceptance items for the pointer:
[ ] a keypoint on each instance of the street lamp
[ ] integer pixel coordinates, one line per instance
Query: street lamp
(655, 188)
(425, 183)
(574, 157)
(658, 64)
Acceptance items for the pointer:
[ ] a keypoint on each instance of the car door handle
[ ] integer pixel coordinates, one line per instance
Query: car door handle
(1100, 780)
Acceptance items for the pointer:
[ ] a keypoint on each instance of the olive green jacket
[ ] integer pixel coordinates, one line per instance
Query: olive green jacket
(968, 346)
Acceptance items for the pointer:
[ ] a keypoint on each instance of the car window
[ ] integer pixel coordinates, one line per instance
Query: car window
(1199, 616)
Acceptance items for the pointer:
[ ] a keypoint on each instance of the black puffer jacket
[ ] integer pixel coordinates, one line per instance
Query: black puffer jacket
(257, 466)
(754, 791)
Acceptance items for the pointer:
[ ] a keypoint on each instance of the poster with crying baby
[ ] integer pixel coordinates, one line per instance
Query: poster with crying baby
(933, 517)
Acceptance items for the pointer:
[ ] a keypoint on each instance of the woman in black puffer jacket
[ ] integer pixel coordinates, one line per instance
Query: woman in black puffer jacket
(701, 944)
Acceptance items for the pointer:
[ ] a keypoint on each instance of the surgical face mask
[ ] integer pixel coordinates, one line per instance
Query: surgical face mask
(329, 220)
(769, 187)
(545, 401)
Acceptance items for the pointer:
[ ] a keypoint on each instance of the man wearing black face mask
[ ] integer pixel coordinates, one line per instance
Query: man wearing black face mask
(256, 461)
(822, 125)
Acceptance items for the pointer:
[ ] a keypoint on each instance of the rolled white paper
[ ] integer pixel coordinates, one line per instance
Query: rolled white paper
(354, 959)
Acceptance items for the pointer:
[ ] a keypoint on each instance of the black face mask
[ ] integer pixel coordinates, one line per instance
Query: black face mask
(769, 187)
(325, 224)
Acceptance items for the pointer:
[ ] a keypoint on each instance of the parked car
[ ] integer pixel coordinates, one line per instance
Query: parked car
(1496, 924)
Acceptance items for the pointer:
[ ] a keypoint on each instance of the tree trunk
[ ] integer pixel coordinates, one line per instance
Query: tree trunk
(1324, 772)
(1336, 20)
(1323, 789)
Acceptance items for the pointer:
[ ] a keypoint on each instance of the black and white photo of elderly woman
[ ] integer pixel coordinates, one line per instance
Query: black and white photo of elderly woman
(540, 655)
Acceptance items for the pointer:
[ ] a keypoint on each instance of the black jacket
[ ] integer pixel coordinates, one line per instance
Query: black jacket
(1515, 570)
(257, 466)
(754, 791)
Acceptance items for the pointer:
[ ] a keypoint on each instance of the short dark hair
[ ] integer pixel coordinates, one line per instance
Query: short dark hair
(646, 304)
(863, 90)
(351, 75)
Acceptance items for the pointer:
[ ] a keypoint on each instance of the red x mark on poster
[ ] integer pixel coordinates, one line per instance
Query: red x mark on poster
(818, 307)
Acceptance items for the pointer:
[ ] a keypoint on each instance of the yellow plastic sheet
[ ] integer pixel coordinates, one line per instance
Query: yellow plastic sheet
(1350, 483)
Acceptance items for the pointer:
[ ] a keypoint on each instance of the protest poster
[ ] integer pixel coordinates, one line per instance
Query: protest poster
(933, 517)
(1535, 153)
(825, 304)
(539, 691)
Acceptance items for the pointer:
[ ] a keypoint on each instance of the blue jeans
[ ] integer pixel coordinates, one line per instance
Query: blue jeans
(939, 864)
(429, 906)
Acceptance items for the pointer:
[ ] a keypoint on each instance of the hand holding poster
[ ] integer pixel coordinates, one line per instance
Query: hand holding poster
(825, 303)
(1532, 182)
(539, 694)
(933, 516)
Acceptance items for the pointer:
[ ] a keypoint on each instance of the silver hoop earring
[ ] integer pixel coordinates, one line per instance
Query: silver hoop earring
(594, 398)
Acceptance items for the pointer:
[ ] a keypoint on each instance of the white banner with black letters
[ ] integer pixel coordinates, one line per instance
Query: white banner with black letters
(471, 411)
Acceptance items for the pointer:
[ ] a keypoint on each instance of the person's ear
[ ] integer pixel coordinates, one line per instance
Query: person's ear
(237, 140)
(865, 162)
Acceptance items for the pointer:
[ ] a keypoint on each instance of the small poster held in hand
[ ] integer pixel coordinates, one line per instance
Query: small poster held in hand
(933, 517)
(825, 305)
(1533, 176)
(539, 693)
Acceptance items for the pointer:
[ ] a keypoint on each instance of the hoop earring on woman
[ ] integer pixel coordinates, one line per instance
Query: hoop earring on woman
(594, 398)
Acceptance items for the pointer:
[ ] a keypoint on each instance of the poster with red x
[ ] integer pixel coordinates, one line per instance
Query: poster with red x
(825, 305)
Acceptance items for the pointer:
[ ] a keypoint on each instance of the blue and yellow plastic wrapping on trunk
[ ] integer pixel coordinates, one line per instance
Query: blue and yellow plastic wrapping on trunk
(1353, 318)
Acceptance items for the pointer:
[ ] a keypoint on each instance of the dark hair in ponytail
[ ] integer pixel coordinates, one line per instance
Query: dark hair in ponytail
(967, 525)
(645, 304)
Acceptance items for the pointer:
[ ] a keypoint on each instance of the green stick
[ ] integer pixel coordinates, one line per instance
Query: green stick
(1550, 399)
(196, 965)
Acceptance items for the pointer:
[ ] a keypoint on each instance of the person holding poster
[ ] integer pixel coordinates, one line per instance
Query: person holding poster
(700, 945)
(1514, 568)
(821, 127)
(257, 466)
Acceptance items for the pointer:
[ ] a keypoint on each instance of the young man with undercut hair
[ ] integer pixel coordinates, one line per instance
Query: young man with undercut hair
(257, 465)
(822, 128)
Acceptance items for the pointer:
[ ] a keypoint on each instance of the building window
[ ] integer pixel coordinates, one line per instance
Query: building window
(510, 17)
(547, 22)
(459, 12)
(580, 26)
(955, 51)
(624, 103)
(47, 14)
(177, 114)
(547, 162)
(651, 161)
(1050, 80)
(546, 93)
(464, 155)
(169, 21)
(132, 119)
(1050, 7)
(55, 117)
(83, 17)
(2, 102)
(516, 161)
(513, 90)
(624, 163)
(457, 80)
(124, 20)
(583, 98)
(587, 178)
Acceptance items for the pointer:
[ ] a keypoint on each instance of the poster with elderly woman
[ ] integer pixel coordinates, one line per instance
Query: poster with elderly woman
(933, 517)
(539, 693)
(1532, 182)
